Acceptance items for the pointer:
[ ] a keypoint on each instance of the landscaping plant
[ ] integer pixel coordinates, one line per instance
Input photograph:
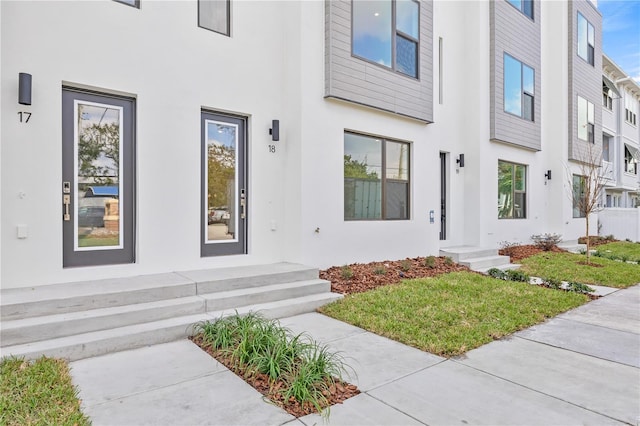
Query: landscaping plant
(294, 365)
(546, 241)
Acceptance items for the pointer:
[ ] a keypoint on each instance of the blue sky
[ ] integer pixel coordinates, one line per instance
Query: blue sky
(621, 34)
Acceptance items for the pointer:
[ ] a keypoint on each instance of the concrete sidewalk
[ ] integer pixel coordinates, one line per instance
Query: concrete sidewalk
(582, 367)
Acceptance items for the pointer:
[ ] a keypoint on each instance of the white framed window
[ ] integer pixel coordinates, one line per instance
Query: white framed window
(586, 120)
(607, 97)
(631, 160)
(376, 178)
(524, 6)
(586, 39)
(387, 33)
(519, 88)
(630, 110)
(512, 190)
(215, 15)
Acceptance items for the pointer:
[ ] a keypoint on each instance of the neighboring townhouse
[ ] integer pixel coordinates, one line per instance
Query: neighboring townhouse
(620, 153)
(153, 136)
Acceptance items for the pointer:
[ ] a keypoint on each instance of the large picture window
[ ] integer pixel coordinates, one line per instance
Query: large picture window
(586, 120)
(512, 190)
(387, 33)
(586, 39)
(376, 178)
(519, 84)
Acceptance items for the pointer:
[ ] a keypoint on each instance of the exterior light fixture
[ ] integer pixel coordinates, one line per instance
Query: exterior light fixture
(548, 175)
(274, 131)
(24, 88)
(460, 160)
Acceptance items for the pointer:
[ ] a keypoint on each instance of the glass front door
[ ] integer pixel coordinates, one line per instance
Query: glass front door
(224, 198)
(97, 184)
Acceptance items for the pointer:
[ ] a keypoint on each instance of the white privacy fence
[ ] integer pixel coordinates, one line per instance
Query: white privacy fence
(622, 223)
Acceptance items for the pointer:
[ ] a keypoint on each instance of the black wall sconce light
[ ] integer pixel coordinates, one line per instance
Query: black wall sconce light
(460, 160)
(274, 131)
(24, 88)
(548, 175)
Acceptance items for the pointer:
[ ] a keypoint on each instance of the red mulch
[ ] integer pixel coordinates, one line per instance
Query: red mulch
(595, 265)
(596, 240)
(372, 275)
(517, 253)
(336, 394)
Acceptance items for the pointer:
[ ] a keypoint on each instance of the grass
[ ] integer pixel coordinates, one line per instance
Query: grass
(453, 313)
(91, 241)
(254, 344)
(564, 266)
(620, 250)
(38, 393)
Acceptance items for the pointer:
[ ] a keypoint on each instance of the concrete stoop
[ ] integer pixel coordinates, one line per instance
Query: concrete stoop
(85, 319)
(477, 258)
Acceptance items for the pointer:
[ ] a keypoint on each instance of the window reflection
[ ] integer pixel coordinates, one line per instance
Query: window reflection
(221, 178)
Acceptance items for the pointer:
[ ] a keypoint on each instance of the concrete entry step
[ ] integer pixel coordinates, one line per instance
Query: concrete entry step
(78, 320)
(475, 258)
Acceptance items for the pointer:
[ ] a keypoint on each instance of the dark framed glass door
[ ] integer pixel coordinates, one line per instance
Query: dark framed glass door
(223, 209)
(443, 196)
(97, 189)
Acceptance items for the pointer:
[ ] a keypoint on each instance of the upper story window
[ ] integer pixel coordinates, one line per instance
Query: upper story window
(519, 83)
(606, 148)
(607, 97)
(630, 160)
(586, 39)
(387, 32)
(524, 6)
(376, 178)
(512, 190)
(215, 15)
(630, 110)
(134, 3)
(586, 120)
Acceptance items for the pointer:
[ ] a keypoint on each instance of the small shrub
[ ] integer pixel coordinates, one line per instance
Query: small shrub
(579, 288)
(515, 275)
(546, 241)
(554, 284)
(430, 262)
(497, 273)
(346, 272)
(380, 270)
(405, 265)
(507, 247)
(448, 261)
(598, 253)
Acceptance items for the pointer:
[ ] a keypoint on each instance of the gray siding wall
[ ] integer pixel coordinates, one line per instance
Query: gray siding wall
(355, 80)
(514, 33)
(584, 80)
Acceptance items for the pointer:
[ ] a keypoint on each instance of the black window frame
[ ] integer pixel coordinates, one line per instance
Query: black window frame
(514, 191)
(521, 9)
(607, 97)
(629, 160)
(524, 94)
(384, 180)
(577, 207)
(395, 33)
(589, 125)
(590, 59)
(135, 5)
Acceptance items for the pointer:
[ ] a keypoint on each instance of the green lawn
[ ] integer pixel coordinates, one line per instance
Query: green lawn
(90, 241)
(38, 393)
(453, 313)
(564, 266)
(620, 250)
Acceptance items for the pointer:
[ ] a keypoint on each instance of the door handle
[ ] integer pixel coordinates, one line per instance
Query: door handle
(66, 201)
(243, 204)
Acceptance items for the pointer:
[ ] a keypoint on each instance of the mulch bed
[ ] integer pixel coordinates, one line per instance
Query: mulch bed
(368, 276)
(336, 394)
(517, 253)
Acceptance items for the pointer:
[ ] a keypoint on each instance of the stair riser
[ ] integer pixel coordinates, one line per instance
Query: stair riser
(95, 301)
(85, 349)
(218, 304)
(69, 327)
(488, 263)
(213, 286)
(459, 257)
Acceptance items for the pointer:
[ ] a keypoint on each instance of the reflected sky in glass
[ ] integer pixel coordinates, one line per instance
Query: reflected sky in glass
(397, 161)
(221, 134)
(364, 150)
(372, 32)
(407, 17)
(512, 86)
